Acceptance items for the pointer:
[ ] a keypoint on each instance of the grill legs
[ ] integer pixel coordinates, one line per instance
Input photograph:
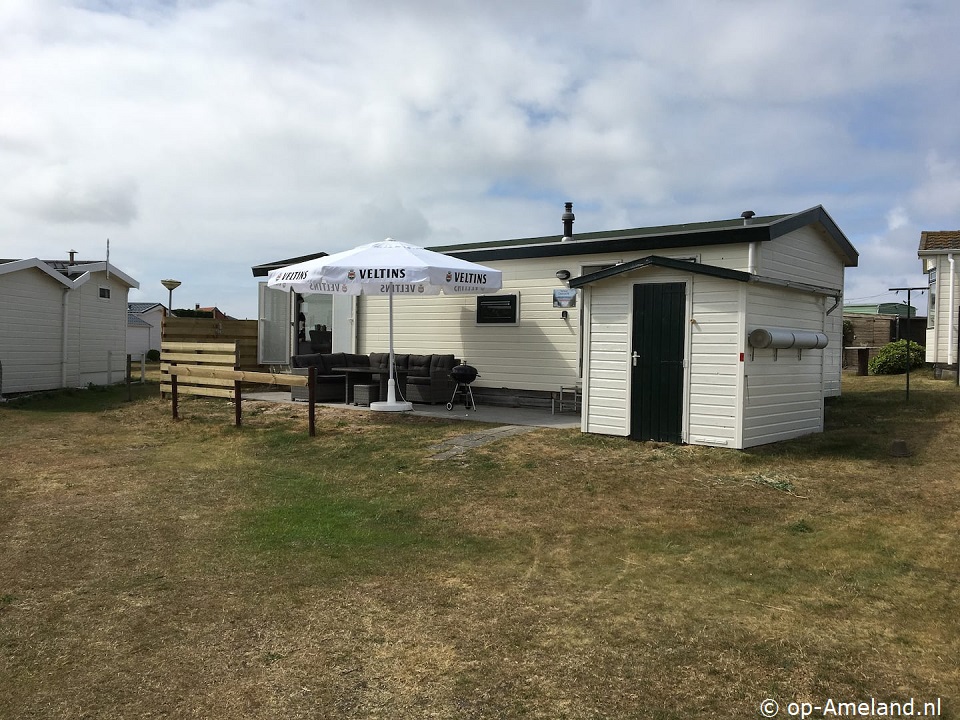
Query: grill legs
(467, 392)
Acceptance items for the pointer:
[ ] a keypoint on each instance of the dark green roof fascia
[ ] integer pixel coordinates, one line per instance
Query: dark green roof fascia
(264, 269)
(655, 231)
(584, 246)
(817, 215)
(656, 260)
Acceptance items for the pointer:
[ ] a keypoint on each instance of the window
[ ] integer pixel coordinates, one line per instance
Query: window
(931, 309)
(498, 309)
(104, 293)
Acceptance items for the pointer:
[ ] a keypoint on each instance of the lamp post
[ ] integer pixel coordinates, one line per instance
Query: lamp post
(170, 285)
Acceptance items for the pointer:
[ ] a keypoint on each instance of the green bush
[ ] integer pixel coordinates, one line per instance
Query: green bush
(153, 355)
(892, 358)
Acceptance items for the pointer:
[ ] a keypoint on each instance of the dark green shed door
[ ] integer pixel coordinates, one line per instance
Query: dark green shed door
(656, 403)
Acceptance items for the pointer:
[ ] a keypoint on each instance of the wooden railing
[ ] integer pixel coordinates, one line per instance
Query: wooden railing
(210, 370)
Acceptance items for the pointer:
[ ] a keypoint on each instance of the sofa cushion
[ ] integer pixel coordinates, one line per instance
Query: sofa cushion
(418, 366)
(441, 364)
(305, 361)
(379, 361)
(354, 360)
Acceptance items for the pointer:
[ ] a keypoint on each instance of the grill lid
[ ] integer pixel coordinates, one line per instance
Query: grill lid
(464, 374)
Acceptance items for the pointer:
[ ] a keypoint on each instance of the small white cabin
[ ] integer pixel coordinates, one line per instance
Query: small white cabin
(144, 327)
(723, 333)
(598, 310)
(940, 254)
(62, 324)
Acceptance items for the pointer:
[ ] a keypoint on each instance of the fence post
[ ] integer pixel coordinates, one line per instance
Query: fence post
(109, 367)
(129, 380)
(312, 399)
(143, 367)
(236, 392)
(173, 395)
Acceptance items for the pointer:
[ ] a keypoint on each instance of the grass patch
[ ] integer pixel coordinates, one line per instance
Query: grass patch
(192, 569)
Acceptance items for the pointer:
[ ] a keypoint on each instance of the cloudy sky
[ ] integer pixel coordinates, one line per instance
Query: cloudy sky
(206, 136)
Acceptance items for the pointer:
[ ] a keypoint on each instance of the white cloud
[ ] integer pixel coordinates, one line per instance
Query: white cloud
(204, 137)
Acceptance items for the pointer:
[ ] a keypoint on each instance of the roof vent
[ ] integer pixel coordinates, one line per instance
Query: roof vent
(747, 216)
(73, 256)
(568, 217)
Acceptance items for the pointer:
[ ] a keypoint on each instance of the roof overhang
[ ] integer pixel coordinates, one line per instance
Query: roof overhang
(661, 262)
(264, 269)
(106, 268)
(37, 264)
(82, 271)
(700, 269)
(665, 237)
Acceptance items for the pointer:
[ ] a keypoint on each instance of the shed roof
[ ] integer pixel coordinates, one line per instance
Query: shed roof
(142, 307)
(737, 230)
(933, 240)
(134, 320)
(657, 261)
(70, 274)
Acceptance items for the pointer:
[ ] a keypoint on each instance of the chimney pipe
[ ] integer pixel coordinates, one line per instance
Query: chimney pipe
(747, 215)
(568, 217)
(73, 255)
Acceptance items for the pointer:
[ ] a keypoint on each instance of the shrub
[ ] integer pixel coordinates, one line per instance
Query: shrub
(892, 358)
(153, 355)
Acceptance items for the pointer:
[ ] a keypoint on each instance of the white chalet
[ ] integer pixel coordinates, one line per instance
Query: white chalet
(940, 252)
(62, 324)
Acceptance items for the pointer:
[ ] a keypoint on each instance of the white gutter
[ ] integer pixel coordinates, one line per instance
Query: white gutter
(950, 313)
(63, 338)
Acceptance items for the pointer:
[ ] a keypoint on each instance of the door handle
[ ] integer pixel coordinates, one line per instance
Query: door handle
(635, 356)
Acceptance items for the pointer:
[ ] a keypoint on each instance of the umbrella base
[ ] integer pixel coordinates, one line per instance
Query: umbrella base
(388, 406)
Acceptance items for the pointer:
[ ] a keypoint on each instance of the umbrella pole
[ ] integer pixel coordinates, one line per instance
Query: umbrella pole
(391, 404)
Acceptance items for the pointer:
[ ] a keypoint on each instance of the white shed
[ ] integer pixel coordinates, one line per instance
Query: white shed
(62, 324)
(734, 351)
(940, 252)
(144, 327)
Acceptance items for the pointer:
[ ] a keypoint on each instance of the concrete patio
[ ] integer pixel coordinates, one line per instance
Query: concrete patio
(495, 414)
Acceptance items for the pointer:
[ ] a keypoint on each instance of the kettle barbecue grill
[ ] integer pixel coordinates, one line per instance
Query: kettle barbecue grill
(463, 375)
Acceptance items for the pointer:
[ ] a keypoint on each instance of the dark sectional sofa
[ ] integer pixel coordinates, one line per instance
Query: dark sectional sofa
(420, 378)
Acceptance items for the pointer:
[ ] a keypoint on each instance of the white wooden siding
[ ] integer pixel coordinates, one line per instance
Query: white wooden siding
(938, 337)
(803, 255)
(102, 331)
(542, 353)
(606, 401)
(783, 397)
(30, 331)
(142, 339)
(714, 361)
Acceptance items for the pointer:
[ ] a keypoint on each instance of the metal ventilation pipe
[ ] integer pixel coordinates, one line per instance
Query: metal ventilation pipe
(568, 217)
(747, 215)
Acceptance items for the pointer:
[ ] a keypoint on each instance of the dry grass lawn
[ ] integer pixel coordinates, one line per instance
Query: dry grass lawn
(152, 569)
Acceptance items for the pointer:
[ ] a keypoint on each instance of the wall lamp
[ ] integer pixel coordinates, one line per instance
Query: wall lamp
(563, 274)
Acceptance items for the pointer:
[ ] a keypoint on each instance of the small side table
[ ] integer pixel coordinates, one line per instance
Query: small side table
(567, 400)
(365, 394)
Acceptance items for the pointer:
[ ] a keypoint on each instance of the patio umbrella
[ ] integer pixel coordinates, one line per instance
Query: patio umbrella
(387, 268)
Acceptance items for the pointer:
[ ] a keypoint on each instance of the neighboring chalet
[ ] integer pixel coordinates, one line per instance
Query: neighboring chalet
(940, 252)
(144, 327)
(62, 323)
(722, 333)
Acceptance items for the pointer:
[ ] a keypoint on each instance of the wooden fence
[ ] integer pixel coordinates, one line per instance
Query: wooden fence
(211, 330)
(210, 370)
